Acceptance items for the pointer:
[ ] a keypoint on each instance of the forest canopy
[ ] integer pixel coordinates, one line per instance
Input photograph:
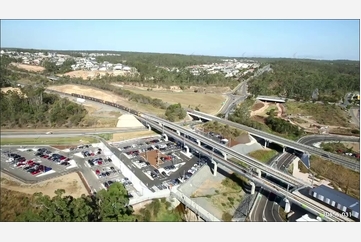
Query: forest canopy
(299, 79)
(36, 108)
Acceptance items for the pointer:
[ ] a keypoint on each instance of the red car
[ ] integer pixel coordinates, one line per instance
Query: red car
(168, 158)
(20, 164)
(35, 172)
(100, 162)
(46, 156)
(30, 162)
(92, 154)
(97, 172)
(62, 158)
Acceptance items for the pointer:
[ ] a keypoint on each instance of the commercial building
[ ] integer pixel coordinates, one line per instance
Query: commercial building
(340, 201)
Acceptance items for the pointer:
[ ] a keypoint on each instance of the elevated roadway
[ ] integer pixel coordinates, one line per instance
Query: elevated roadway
(307, 203)
(227, 151)
(344, 161)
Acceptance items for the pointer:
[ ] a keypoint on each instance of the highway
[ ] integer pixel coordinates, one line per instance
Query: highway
(347, 162)
(298, 199)
(246, 159)
(313, 139)
(266, 206)
(64, 133)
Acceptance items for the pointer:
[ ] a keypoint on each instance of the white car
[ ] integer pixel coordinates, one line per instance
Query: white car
(49, 132)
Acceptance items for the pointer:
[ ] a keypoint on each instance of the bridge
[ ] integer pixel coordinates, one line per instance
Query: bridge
(169, 129)
(306, 149)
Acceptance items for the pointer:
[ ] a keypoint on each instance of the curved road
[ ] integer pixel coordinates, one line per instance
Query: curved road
(312, 139)
(266, 207)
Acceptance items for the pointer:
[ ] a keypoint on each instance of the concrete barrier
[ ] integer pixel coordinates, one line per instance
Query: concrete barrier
(154, 195)
(207, 216)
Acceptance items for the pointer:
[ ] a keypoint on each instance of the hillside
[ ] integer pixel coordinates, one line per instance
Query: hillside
(298, 79)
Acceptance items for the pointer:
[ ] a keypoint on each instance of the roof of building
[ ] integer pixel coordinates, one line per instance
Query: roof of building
(338, 197)
(306, 218)
(278, 99)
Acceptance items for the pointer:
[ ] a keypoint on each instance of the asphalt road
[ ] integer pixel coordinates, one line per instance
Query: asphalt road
(266, 207)
(63, 133)
(312, 139)
(338, 159)
(284, 161)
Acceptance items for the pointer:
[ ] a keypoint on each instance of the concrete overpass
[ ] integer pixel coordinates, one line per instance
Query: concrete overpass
(256, 179)
(225, 151)
(306, 149)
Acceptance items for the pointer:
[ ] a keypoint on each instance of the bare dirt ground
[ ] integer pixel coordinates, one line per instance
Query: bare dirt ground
(206, 102)
(32, 68)
(261, 110)
(13, 89)
(355, 146)
(71, 183)
(131, 135)
(141, 86)
(219, 195)
(257, 106)
(93, 74)
(104, 95)
(280, 110)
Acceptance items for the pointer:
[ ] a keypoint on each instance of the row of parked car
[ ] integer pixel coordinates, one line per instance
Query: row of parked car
(56, 158)
(79, 147)
(106, 171)
(29, 166)
(157, 174)
(99, 161)
(125, 181)
(87, 153)
(353, 154)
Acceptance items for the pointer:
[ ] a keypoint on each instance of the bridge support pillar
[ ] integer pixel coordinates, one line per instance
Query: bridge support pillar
(149, 128)
(178, 132)
(165, 136)
(283, 149)
(224, 155)
(215, 166)
(253, 187)
(266, 143)
(287, 205)
(259, 173)
(198, 142)
(187, 149)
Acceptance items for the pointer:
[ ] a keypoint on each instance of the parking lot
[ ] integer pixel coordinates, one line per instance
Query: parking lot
(162, 162)
(101, 168)
(31, 163)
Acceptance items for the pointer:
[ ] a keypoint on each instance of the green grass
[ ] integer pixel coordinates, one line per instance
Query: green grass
(106, 136)
(283, 214)
(263, 156)
(48, 141)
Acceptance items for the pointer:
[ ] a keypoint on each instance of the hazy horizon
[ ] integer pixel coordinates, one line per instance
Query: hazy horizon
(299, 39)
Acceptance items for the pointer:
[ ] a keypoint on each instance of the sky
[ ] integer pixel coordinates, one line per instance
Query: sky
(313, 39)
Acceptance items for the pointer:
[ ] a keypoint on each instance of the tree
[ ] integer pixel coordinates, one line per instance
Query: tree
(107, 205)
(175, 112)
(113, 204)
